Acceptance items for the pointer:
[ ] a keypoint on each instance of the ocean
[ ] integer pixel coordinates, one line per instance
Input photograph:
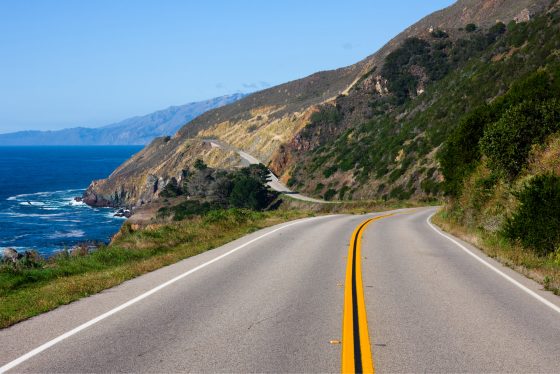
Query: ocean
(37, 190)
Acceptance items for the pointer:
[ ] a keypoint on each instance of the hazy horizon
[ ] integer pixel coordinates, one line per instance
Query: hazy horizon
(71, 64)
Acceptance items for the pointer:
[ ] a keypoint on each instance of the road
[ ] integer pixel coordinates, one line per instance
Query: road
(273, 301)
(274, 183)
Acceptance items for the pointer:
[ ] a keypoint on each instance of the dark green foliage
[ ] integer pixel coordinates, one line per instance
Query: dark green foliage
(343, 192)
(470, 27)
(536, 223)
(439, 34)
(199, 164)
(498, 29)
(172, 189)
(399, 193)
(330, 171)
(461, 152)
(212, 189)
(248, 192)
(508, 141)
(256, 171)
(413, 52)
(505, 130)
(430, 187)
(329, 194)
(187, 209)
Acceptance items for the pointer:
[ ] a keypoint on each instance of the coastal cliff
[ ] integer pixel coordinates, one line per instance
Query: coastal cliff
(290, 125)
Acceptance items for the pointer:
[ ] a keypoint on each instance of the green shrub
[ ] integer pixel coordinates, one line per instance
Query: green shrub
(171, 189)
(187, 209)
(248, 192)
(439, 34)
(536, 223)
(508, 141)
(470, 27)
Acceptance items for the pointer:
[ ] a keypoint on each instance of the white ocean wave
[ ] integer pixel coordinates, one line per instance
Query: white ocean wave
(44, 193)
(112, 216)
(37, 215)
(32, 203)
(67, 234)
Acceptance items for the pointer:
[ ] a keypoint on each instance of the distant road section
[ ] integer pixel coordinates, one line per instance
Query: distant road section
(274, 183)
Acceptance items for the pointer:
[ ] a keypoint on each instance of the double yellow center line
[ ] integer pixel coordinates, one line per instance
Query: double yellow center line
(356, 349)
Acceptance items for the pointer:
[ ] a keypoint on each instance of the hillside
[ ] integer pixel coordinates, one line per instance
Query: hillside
(368, 130)
(132, 131)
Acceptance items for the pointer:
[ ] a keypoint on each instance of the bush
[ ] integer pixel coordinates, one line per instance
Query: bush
(187, 209)
(439, 34)
(470, 27)
(536, 223)
(508, 141)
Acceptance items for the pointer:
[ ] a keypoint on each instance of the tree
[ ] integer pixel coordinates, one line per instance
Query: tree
(248, 192)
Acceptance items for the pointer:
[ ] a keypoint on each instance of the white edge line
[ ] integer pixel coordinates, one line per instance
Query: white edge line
(85, 325)
(546, 302)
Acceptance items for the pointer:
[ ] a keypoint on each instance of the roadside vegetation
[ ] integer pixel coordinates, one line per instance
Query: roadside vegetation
(383, 145)
(33, 285)
(212, 207)
(502, 176)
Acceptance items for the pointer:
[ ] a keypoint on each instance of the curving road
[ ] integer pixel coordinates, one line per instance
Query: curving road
(273, 302)
(274, 183)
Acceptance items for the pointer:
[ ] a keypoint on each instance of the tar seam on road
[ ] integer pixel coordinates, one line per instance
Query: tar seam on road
(356, 348)
(532, 293)
(47, 345)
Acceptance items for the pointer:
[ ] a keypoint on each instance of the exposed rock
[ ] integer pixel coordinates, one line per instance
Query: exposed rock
(123, 213)
(10, 255)
(523, 16)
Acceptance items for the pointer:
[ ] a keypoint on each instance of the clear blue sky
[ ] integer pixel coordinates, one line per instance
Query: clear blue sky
(90, 63)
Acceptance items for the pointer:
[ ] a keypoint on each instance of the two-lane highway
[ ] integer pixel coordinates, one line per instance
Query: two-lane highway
(273, 302)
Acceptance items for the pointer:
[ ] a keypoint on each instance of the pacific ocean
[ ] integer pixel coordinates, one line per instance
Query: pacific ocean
(37, 187)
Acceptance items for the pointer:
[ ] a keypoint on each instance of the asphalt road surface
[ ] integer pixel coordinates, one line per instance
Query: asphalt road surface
(273, 302)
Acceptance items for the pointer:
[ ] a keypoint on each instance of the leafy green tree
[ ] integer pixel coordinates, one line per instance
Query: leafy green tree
(459, 156)
(248, 192)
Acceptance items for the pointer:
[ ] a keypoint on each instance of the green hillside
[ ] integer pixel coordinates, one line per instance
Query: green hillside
(431, 86)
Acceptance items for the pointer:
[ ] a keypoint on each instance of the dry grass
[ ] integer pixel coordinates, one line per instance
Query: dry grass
(544, 270)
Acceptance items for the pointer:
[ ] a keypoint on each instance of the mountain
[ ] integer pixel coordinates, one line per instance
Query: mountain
(369, 130)
(131, 131)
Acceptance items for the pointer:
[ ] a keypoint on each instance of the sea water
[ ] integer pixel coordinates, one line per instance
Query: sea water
(37, 190)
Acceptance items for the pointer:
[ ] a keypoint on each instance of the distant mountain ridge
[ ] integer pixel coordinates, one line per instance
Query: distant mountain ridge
(137, 130)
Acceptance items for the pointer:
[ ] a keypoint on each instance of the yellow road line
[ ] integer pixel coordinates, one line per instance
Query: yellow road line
(356, 348)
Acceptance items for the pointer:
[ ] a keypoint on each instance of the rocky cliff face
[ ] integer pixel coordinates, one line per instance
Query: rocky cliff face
(276, 124)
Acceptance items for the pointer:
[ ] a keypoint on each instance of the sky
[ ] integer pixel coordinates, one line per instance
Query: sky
(91, 63)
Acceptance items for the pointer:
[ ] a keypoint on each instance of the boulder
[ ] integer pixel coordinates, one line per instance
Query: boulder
(10, 255)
